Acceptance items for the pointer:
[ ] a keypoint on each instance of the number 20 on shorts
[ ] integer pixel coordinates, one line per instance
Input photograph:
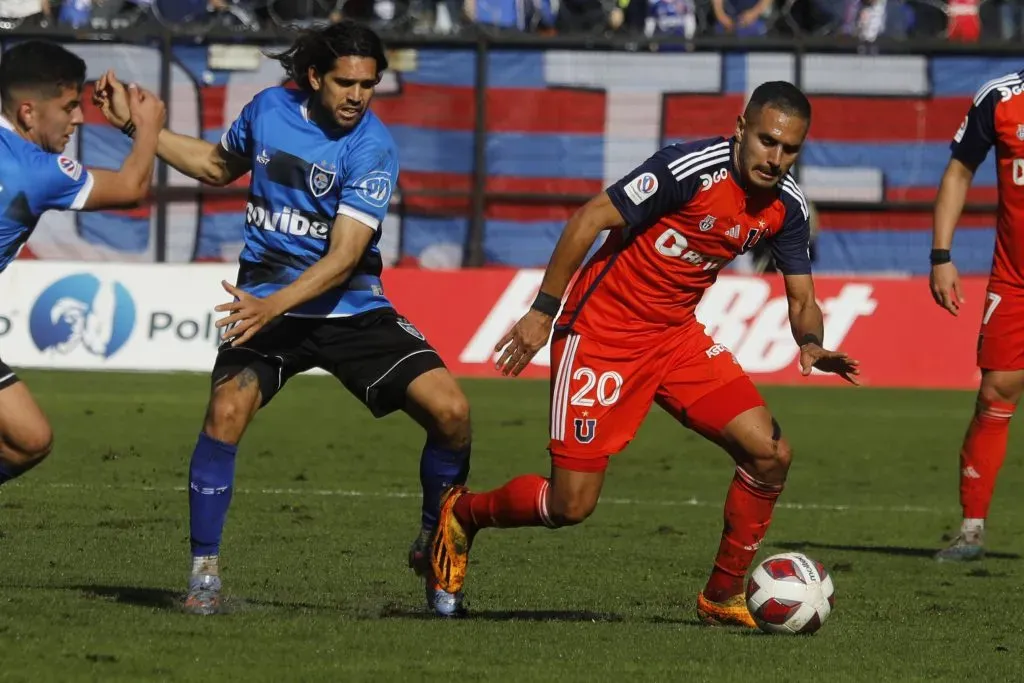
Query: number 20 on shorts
(604, 388)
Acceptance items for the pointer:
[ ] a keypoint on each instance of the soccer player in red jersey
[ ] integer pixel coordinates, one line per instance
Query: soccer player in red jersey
(628, 337)
(995, 118)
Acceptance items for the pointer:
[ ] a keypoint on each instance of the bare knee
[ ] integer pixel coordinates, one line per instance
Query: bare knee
(570, 510)
(452, 423)
(999, 388)
(27, 450)
(229, 413)
(768, 459)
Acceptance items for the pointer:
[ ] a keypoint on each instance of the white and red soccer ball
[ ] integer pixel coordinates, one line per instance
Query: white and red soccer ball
(790, 593)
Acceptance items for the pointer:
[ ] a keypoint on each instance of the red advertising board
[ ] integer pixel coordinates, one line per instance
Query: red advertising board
(891, 325)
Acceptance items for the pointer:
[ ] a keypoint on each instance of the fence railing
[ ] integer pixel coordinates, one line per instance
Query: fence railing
(487, 182)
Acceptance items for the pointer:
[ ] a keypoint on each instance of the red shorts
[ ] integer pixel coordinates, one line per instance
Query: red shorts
(601, 393)
(1001, 338)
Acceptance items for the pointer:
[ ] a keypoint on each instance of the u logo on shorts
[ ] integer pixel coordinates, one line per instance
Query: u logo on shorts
(585, 429)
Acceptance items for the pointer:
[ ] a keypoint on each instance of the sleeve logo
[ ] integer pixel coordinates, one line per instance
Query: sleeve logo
(69, 167)
(642, 188)
(961, 130)
(374, 188)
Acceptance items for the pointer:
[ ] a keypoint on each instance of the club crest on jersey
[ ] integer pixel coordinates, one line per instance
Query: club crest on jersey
(707, 223)
(320, 180)
(1020, 131)
(642, 188)
(585, 429)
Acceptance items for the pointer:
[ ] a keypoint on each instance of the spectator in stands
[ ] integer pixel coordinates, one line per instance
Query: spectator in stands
(964, 20)
(75, 13)
(1011, 18)
(305, 13)
(582, 16)
(741, 17)
(869, 20)
(14, 12)
(655, 17)
(229, 13)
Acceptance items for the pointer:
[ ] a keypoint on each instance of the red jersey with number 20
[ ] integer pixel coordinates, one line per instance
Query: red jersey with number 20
(686, 218)
(996, 119)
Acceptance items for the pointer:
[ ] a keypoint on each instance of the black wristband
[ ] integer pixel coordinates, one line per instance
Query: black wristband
(810, 338)
(939, 256)
(129, 129)
(546, 304)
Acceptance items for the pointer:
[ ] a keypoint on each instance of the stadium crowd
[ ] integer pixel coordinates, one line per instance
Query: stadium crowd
(860, 20)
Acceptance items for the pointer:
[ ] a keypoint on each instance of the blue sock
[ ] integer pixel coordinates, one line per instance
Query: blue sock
(7, 473)
(440, 468)
(211, 475)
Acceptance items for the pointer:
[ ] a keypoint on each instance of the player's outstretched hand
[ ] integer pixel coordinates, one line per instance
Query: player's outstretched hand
(111, 97)
(249, 314)
(836, 362)
(523, 341)
(147, 110)
(945, 285)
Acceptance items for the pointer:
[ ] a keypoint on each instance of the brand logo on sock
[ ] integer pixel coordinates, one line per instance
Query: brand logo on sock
(82, 311)
(971, 473)
(585, 429)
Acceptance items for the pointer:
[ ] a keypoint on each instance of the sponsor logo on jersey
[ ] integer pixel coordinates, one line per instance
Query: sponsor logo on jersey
(69, 167)
(1007, 92)
(287, 221)
(320, 180)
(642, 188)
(674, 245)
(709, 179)
(1018, 172)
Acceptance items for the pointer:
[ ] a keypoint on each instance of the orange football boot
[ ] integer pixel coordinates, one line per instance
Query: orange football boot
(732, 612)
(449, 549)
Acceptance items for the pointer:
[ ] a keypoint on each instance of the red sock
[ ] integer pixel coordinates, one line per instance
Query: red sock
(982, 455)
(748, 512)
(522, 501)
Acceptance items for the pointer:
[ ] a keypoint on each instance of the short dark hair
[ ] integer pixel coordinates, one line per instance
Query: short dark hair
(40, 65)
(780, 95)
(321, 48)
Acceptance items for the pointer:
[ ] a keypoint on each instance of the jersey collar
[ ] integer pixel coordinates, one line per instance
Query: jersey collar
(733, 170)
(5, 123)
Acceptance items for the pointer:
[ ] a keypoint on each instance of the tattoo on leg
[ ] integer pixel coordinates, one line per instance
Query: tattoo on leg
(246, 377)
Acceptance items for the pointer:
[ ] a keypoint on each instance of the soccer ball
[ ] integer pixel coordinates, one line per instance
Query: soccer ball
(790, 593)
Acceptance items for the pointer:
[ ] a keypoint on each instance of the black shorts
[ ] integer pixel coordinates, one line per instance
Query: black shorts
(7, 376)
(376, 355)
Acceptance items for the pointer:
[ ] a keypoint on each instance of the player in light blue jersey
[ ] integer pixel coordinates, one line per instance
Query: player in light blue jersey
(309, 291)
(41, 93)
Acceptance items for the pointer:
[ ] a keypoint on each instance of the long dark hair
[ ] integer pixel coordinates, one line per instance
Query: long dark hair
(321, 48)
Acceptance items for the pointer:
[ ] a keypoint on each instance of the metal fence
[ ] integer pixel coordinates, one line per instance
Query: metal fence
(476, 198)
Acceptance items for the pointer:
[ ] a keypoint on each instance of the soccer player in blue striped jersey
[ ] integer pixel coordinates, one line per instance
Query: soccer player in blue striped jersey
(309, 291)
(41, 90)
